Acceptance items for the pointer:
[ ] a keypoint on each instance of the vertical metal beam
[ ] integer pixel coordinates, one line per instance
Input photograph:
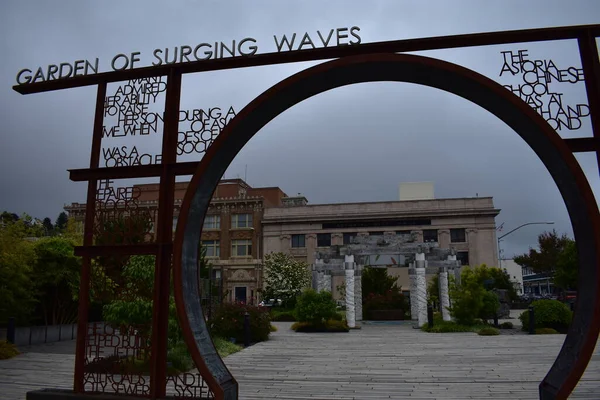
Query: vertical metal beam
(164, 238)
(588, 51)
(88, 239)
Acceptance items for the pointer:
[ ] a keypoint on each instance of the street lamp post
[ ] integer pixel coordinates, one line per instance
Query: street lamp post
(517, 228)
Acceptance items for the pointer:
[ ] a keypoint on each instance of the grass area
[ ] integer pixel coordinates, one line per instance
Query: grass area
(7, 350)
(225, 347)
(441, 326)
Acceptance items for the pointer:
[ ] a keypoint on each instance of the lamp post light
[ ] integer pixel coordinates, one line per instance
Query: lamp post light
(517, 228)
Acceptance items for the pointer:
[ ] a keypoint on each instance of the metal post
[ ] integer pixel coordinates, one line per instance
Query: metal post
(88, 240)
(531, 320)
(164, 237)
(10, 331)
(246, 329)
(430, 315)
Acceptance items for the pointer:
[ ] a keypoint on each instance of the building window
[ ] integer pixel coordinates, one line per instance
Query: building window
(349, 237)
(323, 239)
(457, 235)
(463, 257)
(430, 235)
(241, 220)
(241, 248)
(174, 223)
(213, 248)
(298, 240)
(212, 222)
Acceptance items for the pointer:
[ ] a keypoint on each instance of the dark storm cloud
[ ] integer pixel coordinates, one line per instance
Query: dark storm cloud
(351, 144)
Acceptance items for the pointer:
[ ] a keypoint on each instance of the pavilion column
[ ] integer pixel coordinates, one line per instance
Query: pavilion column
(421, 284)
(350, 310)
(444, 295)
(358, 293)
(412, 279)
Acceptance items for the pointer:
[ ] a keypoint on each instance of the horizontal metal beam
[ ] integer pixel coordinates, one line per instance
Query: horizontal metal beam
(395, 46)
(122, 249)
(581, 145)
(136, 171)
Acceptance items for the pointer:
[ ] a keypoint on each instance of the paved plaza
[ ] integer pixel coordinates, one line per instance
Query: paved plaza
(379, 361)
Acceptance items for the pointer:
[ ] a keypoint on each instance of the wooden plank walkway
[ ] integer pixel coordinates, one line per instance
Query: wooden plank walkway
(376, 362)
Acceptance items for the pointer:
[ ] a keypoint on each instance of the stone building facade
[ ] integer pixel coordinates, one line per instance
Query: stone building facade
(465, 224)
(232, 233)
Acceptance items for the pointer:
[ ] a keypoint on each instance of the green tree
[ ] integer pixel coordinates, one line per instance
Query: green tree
(285, 277)
(56, 270)
(61, 221)
(16, 259)
(48, 227)
(567, 268)
(377, 281)
(545, 258)
(471, 299)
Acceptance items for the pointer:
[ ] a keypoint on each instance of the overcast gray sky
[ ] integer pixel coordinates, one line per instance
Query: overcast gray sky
(355, 143)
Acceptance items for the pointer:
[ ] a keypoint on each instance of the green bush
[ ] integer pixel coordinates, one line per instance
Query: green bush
(490, 305)
(489, 331)
(506, 325)
(329, 326)
(7, 350)
(228, 322)
(225, 347)
(180, 358)
(446, 327)
(548, 314)
(315, 308)
(545, 331)
(273, 328)
(283, 315)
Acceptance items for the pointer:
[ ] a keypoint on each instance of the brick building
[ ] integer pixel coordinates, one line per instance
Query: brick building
(232, 231)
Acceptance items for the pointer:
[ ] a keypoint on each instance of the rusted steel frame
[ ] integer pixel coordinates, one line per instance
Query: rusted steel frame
(164, 239)
(135, 171)
(395, 46)
(583, 144)
(121, 249)
(88, 240)
(544, 140)
(555, 384)
(588, 51)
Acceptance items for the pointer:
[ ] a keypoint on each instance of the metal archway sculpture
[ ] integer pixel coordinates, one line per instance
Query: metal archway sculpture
(546, 143)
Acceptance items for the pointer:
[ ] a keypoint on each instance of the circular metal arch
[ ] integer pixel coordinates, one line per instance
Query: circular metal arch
(535, 131)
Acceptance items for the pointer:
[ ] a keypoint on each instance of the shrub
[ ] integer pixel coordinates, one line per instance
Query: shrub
(329, 326)
(180, 358)
(228, 322)
(225, 347)
(7, 350)
(446, 327)
(490, 305)
(548, 314)
(315, 308)
(545, 331)
(506, 325)
(489, 331)
(338, 316)
(285, 315)
(273, 328)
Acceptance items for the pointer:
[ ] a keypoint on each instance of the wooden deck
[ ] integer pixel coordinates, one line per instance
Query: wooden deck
(375, 362)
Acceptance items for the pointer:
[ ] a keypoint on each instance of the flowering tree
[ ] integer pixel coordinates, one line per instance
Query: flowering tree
(285, 277)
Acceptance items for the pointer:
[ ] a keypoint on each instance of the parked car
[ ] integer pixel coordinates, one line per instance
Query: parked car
(270, 303)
